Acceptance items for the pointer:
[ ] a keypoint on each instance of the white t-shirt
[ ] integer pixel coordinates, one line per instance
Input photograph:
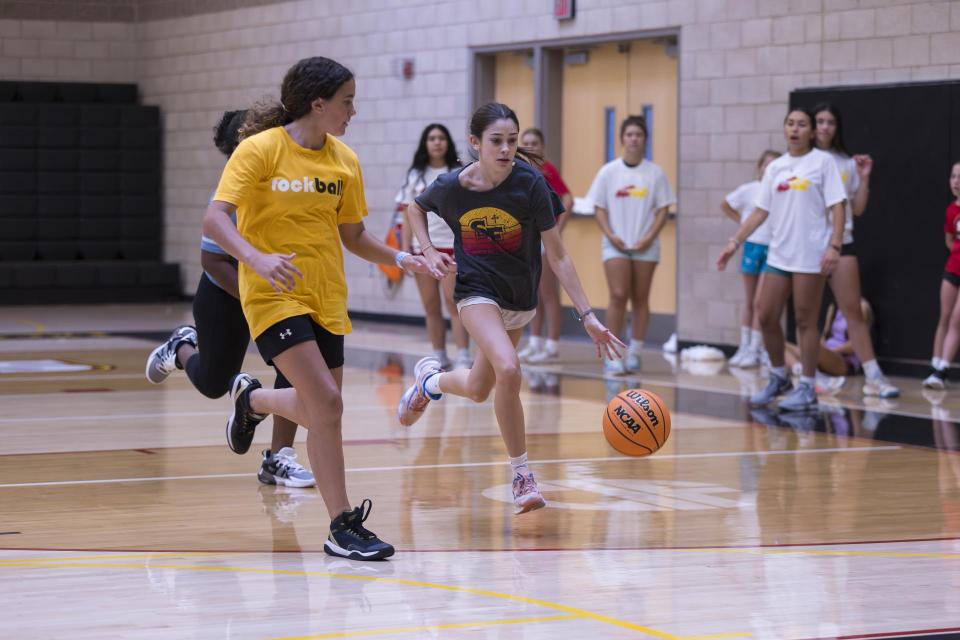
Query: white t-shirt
(743, 200)
(631, 196)
(847, 167)
(440, 234)
(797, 190)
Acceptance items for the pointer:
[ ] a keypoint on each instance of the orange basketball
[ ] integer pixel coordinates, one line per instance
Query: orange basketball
(636, 422)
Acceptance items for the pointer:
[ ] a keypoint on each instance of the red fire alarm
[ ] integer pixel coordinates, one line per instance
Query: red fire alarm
(563, 9)
(406, 68)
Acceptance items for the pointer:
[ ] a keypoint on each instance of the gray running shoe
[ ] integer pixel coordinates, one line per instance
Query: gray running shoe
(162, 361)
(803, 398)
(777, 386)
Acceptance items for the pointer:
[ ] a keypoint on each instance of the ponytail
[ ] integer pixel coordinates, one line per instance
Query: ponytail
(264, 115)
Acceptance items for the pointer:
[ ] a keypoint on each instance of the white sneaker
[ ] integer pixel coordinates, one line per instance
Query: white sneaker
(880, 387)
(613, 367)
(735, 359)
(751, 359)
(526, 494)
(670, 346)
(936, 380)
(543, 357)
(632, 362)
(529, 350)
(415, 400)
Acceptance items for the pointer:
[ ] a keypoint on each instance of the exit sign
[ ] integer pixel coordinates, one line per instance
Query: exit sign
(563, 9)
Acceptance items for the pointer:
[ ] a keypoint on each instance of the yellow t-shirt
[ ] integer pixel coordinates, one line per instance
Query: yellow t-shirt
(291, 199)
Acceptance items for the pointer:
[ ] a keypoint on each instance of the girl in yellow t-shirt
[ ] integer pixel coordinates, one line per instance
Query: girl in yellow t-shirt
(297, 192)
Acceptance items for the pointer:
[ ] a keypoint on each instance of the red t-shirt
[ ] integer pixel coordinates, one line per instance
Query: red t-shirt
(952, 226)
(553, 178)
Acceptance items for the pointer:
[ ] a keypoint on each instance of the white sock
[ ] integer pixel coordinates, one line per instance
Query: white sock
(872, 370)
(756, 339)
(440, 354)
(780, 372)
(519, 464)
(744, 337)
(636, 346)
(552, 346)
(463, 354)
(940, 364)
(432, 386)
(535, 343)
(808, 381)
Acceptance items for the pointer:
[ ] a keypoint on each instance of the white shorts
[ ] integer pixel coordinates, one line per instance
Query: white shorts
(652, 254)
(511, 319)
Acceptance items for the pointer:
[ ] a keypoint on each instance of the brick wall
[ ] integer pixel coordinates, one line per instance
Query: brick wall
(739, 59)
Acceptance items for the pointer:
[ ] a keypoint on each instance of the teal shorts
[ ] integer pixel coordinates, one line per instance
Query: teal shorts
(754, 258)
(767, 268)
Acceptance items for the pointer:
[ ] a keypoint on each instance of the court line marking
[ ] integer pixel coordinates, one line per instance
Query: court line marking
(718, 636)
(815, 552)
(462, 465)
(430, 627)
(573, 611)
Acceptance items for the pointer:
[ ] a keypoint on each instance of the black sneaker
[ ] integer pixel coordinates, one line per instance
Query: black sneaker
(243, 421)
(936, 380)
(349, 539)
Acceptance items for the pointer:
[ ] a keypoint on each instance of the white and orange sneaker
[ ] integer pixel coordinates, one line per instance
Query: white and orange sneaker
(415, 399)
(526, 493)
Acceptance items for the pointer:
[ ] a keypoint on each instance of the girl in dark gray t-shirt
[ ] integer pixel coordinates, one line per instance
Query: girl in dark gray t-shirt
(499, 209)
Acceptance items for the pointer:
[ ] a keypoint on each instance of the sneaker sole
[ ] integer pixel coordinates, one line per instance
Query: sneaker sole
(270, 479)
(332, 549)
(532, 505)
(806, 407)
(150, 358)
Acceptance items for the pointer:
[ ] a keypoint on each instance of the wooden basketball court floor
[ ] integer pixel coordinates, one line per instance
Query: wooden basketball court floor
(124, 515)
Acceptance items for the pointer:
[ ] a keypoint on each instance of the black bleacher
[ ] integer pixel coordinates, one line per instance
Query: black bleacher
(80, 186)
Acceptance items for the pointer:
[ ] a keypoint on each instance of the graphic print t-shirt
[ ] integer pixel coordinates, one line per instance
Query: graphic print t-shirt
(496, 233)
(797, 190)
(440, 235)
(847, 167)
(291, 200)
(952, 226)
(631, 196)
(743, 200)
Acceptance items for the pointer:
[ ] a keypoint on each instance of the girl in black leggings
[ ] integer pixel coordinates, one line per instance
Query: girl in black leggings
(223, 332)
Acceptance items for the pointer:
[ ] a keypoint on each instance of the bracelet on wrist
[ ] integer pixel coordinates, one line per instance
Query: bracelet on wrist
(733, 239)
(583, 314)
(426, 246)
(836, 247)
(400, 257)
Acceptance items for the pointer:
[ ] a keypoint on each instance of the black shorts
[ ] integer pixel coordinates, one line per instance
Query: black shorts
(849, 249)
(952, 278)
(294, 330)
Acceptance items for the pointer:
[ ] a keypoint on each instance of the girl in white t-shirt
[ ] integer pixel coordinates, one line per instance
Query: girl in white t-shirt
(845, 279)
(436, 154)
(631, 198)
(796, 192)
(737, 206)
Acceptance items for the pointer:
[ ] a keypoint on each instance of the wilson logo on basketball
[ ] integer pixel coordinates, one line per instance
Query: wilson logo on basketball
(306, 184)
(644, 404)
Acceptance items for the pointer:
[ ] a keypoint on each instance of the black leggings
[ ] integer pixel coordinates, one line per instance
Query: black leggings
(222, 337)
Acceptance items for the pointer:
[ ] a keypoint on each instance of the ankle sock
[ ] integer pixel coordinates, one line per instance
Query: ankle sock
(552, 346)
(432, 386)
(756, 339)
(519, 464)
(780, 372)
(744, 337)
(872, 370)
(535, 343)
(636, 346)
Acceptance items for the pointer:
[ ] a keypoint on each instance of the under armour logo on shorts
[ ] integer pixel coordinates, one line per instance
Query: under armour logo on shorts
(286, 334)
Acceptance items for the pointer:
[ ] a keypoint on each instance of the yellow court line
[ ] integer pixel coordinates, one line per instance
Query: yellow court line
(813, 552)
(580, 613)
(431, 627)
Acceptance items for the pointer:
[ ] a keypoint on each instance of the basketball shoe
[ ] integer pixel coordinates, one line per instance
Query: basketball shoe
(880, 387)
(936, 380)
(526, 493)
(415, 400)
(244, 420)
(803, 398)
(282, 468)
(777, 386)
(349, 539)
(162, 361)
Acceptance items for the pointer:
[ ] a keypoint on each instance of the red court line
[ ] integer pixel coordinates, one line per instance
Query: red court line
(889, 634)
(511, 550)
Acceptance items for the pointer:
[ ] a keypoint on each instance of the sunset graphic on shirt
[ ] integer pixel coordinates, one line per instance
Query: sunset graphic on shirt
(794, 183)
(489, 230)
(632, 191)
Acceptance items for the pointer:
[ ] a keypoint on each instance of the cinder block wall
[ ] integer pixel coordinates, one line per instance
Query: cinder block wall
(739, 59)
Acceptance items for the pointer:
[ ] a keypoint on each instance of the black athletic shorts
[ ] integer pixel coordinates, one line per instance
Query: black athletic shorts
(294, 330)
(952, 278)
(849, 249)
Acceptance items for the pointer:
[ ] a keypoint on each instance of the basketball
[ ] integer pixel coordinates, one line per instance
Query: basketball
(636, 422)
